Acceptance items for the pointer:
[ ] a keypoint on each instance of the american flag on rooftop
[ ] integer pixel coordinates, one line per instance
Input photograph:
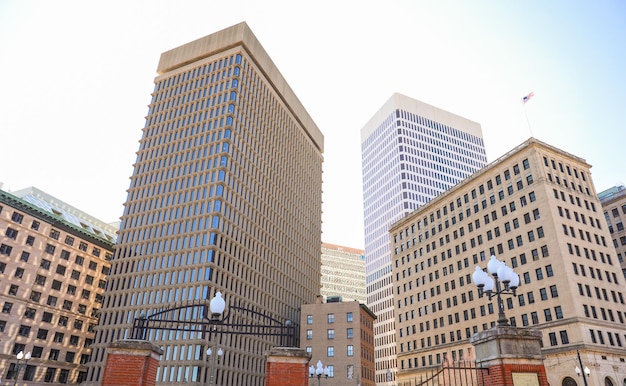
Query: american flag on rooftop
(527, 97)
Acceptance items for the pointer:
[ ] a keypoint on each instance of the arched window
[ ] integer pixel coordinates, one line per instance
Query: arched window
(569, 381)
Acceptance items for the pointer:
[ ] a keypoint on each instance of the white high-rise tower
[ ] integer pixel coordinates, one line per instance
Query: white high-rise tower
(411, 152)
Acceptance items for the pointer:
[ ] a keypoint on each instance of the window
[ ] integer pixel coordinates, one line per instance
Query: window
(61, 270)
(11, 233)
(40, 280)
(330, 351)
(5, 249)
(350, 333)
(25, 256)
(37, 351)
(309, 334)
(42, 334)
(74, 340)
(54, 234)
(558, 312)
(54, 355)
(553, 341)
(349, 316)
(56, 285)
(58, 337)
(331, 333)
(30, 313)
(564, 337)
(331, 318)
(65, 373)
(51, 371)
(17, 217)
(13, 289)
(45, 264)
(35, 296)
(35, 225)
(47, 317)
(350, 350)
(309, 318)
(24, 331)
(553, 291)
(547, 314)
(6, 307)
(52, 300)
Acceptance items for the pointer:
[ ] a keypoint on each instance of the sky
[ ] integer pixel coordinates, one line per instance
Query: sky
(77, 78)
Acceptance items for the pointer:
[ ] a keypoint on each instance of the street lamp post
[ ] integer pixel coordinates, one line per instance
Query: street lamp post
(216, 306)
(585, 372)
(21, 357)
(318, 371)
(209, 354)
(505, 281)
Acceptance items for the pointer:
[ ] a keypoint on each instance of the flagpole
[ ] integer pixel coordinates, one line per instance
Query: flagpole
(527, 120)
(524, 100)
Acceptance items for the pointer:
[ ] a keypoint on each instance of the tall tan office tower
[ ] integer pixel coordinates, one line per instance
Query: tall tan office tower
(225, 196)
(411, 152)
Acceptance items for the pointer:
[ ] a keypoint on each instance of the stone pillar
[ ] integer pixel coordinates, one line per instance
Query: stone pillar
(131, 363)
(512, 355)
(287, 366)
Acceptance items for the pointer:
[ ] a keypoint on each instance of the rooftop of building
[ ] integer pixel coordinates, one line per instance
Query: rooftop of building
(612, 193)
(51, 209)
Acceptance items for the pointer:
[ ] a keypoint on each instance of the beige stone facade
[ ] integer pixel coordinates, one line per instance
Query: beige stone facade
(54, 262)
(343, 273)
(614, 205)
(536, 209)
(341, 335)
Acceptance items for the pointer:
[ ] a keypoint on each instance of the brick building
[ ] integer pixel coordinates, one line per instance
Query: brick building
(53, 272)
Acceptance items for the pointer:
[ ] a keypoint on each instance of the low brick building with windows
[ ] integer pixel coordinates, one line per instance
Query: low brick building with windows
(341, 335)
(53, 270)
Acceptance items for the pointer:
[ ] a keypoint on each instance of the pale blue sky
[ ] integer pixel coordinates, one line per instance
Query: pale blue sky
(77, 77)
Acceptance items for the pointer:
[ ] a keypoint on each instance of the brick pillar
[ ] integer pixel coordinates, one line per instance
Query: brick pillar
(287, 366)
(512, 355)
(131, 363)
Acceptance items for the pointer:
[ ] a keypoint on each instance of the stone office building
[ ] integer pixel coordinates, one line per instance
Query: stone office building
(54, 262)
(536, 209)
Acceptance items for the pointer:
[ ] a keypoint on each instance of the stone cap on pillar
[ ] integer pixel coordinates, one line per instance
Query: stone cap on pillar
(508, 342)
(288, 354)
(128, 345)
